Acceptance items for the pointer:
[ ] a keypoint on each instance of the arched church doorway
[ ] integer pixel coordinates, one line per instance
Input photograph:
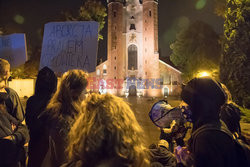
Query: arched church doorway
(132, 57)
(132, 90)
(166, 91)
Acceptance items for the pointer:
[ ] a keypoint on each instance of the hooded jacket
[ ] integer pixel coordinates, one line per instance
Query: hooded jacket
(209, 148)
(46, 84)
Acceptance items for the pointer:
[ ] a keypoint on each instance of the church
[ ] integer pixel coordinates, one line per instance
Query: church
(133, 66)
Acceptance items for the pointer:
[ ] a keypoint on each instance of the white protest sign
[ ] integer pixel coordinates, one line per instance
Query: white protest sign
(70, 45)
(13, 49)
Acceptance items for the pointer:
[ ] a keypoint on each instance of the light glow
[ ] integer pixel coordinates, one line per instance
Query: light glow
(203, 74)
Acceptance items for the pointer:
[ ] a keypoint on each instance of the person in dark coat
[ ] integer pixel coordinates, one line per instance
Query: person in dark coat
(46, 85)
(206, 147)
(13, 136)
(161, 154)
(60, 114)
(13, 103)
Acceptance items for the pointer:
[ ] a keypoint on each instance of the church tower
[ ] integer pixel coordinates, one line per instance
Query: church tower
(115, 43)
(150, 44)
(133, 46)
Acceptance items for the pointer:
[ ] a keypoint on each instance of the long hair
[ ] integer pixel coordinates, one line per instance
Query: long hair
(106, 131)
(67, 98)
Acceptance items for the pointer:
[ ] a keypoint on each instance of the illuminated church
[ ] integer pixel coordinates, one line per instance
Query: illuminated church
(133, 53)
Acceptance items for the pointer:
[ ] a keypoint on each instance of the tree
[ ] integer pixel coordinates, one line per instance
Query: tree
(196, 49)
(220, 7)
(91, 10)
(235, 65)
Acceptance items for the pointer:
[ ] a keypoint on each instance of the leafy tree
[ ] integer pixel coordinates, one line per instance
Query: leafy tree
(91, 10)
(220, 7)
(235, 65)
(196, 49)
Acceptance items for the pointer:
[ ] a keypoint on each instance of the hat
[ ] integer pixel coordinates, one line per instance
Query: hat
(163, 143)
(204, 88)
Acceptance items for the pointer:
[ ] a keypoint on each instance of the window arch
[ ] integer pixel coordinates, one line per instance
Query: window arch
(132, 57)
(104, 69)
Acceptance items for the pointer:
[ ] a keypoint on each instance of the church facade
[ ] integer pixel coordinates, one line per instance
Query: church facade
(133, 66)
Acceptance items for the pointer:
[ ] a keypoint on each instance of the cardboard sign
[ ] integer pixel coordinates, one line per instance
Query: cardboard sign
(70, 45)
(13, 49)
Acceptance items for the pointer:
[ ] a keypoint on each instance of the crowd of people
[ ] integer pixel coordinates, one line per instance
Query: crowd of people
(66, 126)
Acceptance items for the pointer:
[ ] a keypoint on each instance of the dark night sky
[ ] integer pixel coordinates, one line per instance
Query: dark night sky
(173, 16)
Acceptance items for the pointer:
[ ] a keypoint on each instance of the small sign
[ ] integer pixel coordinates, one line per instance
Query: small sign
(13, 49)
(70, 45)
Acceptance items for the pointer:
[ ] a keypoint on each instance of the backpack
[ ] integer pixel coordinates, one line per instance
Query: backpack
(242, 149)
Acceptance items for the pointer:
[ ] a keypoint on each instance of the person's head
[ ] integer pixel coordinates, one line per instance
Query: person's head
(70, 93)
(163, 143)
(205, 97)
(46, 82)
(4, 69)
(106, 131)
(4, 72)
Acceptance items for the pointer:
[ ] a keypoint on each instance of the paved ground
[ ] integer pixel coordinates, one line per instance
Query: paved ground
(141, 108)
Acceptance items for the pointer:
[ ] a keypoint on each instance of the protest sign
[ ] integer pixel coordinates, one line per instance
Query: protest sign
(70, 45)
(162, 114)
(13, 49)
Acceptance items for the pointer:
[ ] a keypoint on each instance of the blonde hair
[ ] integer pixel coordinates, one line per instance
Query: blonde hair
(106, 130)
(66, 99)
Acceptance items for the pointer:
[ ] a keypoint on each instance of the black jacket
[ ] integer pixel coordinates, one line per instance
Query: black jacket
(213, 148)
(14, 105)
(45, 86)
(20, 134)
(162, 155)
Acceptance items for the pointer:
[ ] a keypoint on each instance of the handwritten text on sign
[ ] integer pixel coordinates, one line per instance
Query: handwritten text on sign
(70, 45)
(13, 49)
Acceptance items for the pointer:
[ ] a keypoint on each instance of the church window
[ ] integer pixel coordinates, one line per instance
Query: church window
(132, 57)
(97, 72)
(132, 27)
(150, 13)
(114, 77)
(104, 69)
(114, 13)
(115, 67)
(115, 57)
(132, 18)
